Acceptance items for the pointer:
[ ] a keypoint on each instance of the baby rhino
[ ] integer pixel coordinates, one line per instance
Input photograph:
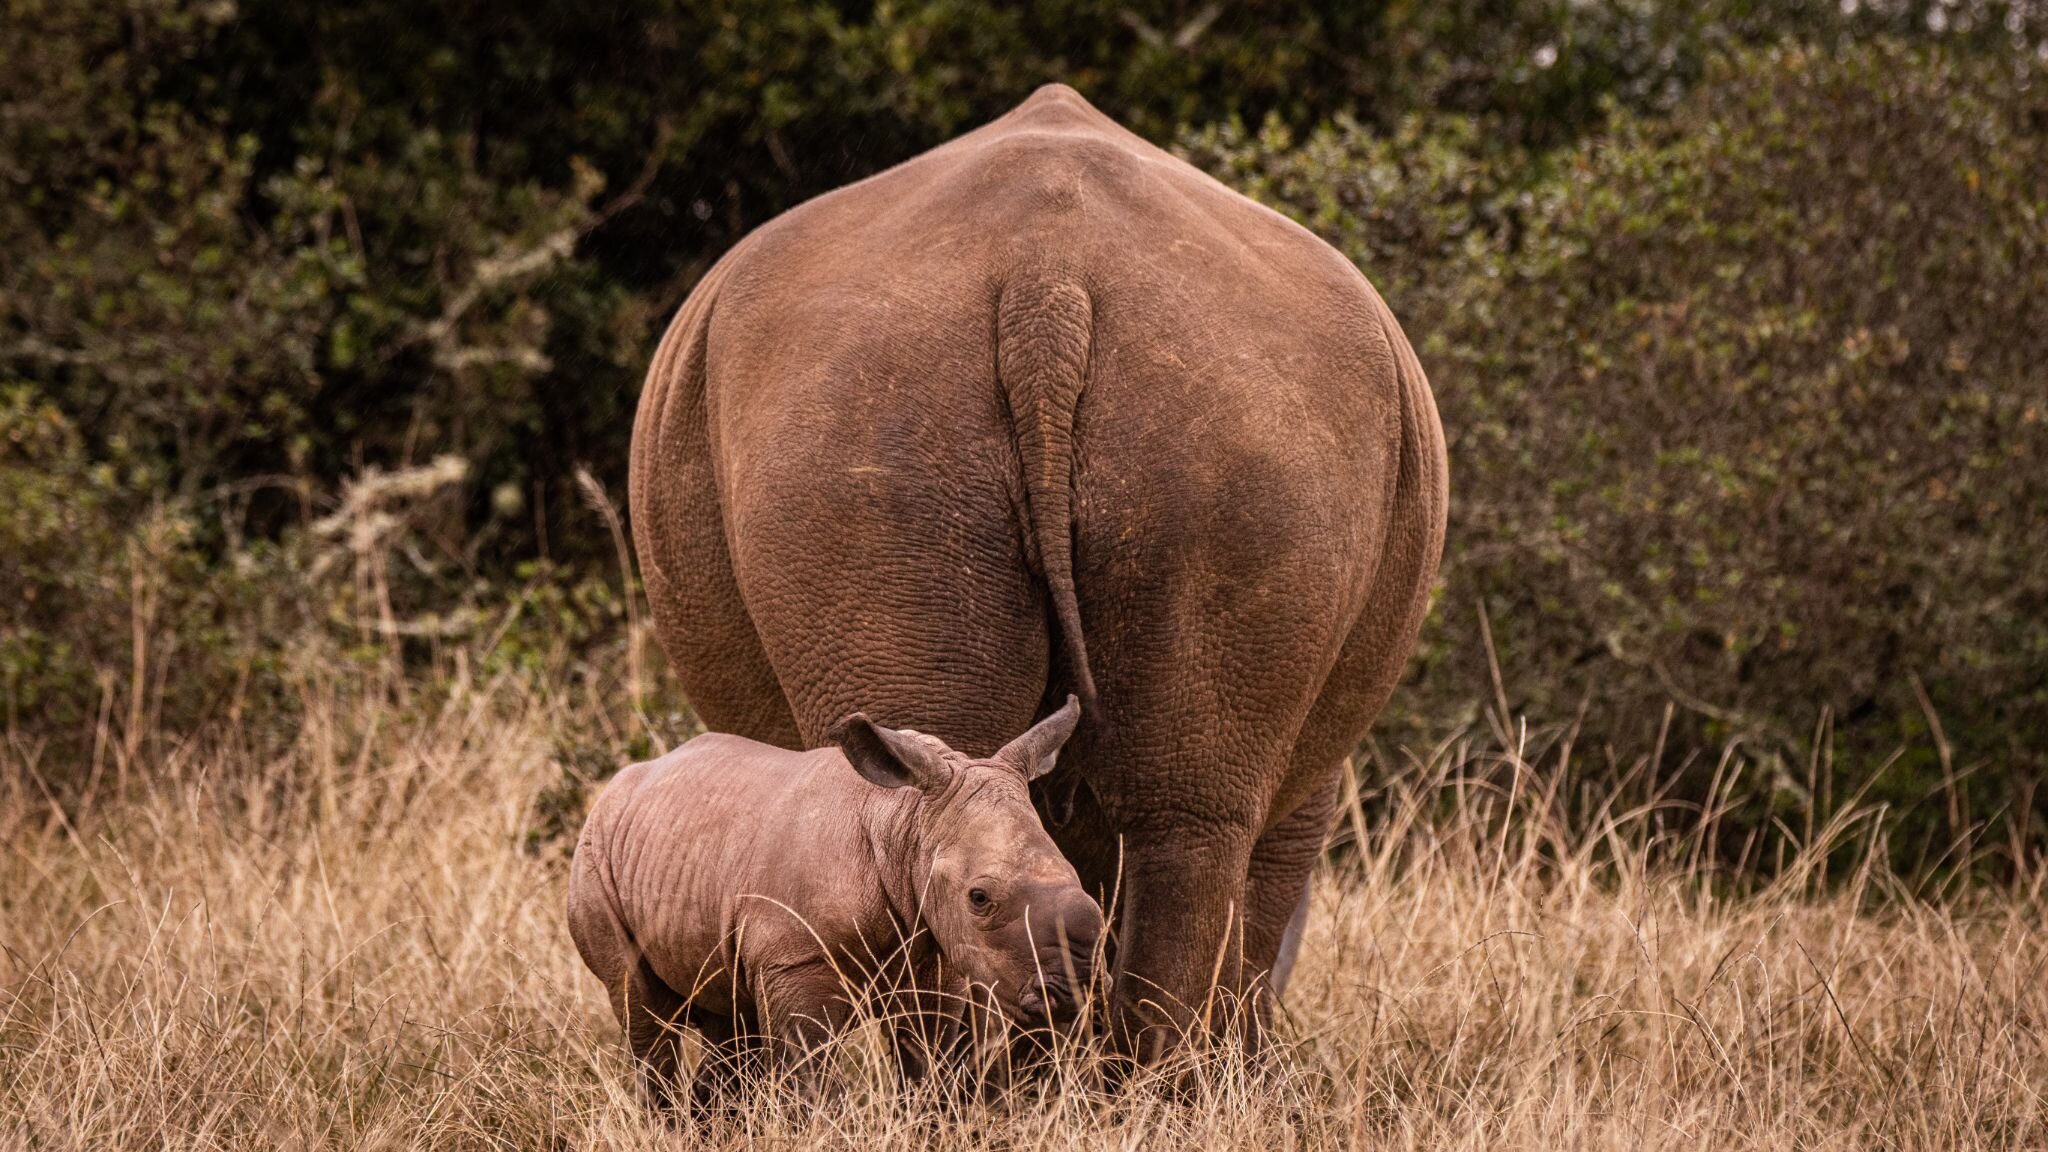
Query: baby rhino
(753, 893)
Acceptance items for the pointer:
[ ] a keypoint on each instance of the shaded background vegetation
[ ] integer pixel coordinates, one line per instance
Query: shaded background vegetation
(1737, 313)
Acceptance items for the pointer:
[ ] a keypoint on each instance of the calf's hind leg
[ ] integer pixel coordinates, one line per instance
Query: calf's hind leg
(653, 1016)
(648, 1010)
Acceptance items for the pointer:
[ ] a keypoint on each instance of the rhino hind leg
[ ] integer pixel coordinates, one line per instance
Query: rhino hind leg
(649, 1012)
(1276, 898)
(654, 1016)
(1290, 942)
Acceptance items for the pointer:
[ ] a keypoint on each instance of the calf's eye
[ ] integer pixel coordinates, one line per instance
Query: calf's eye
(978, 897)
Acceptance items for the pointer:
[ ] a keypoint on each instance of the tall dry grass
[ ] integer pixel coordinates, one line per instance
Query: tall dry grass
(360, 943)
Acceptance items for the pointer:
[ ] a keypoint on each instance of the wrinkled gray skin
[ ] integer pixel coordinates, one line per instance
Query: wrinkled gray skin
(1046, 410)
(748, 892)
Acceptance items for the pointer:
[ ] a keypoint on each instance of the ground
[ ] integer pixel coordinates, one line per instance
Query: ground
(360, 943)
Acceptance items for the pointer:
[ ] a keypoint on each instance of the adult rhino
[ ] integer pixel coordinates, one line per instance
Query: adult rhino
(1046, 409)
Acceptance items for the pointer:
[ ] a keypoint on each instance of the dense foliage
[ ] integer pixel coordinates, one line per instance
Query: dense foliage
(1735, 311)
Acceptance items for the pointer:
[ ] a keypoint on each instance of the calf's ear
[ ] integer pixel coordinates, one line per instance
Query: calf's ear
(1035, 752)
(888, 758)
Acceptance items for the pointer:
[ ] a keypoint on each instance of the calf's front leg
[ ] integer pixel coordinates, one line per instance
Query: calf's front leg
(802, 1006)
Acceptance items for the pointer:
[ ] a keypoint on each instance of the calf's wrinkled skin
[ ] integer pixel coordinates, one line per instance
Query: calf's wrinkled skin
(754, 894)
(1046, 410)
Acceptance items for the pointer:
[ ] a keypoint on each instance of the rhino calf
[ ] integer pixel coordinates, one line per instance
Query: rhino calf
(754, 894)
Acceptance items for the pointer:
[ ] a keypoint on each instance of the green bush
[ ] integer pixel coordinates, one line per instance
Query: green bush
(112, 618)
(121, 636)
(58, 546)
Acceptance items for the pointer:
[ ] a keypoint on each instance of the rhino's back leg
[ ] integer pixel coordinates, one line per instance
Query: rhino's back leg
(654, 1017)
(1277, 895)
(650, 1013)
(1285, 854)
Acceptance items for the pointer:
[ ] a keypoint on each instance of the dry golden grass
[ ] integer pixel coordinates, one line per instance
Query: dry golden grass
(349, 945)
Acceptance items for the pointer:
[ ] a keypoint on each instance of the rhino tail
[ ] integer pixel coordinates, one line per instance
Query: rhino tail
(1043, 326)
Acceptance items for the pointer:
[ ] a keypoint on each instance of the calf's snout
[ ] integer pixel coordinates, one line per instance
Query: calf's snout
(1065, 929)
(1068, 920)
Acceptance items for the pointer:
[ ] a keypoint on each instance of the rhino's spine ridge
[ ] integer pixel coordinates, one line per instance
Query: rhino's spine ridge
(1043, 327)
